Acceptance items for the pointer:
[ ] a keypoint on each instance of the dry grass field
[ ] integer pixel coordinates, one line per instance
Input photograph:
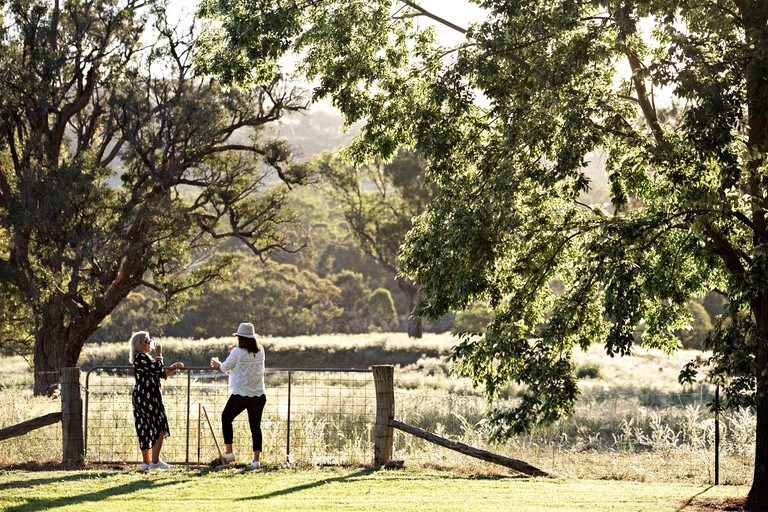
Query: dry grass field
(633, 421)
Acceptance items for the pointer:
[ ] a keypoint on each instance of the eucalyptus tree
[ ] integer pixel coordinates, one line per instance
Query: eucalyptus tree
(120, 167)
(673, 92)
(379, 201)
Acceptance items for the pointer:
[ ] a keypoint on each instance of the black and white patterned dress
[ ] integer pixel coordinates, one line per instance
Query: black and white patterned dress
(148, 409)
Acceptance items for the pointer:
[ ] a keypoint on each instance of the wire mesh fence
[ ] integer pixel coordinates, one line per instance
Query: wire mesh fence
(640, 429)
(18, 404)
(313, 416)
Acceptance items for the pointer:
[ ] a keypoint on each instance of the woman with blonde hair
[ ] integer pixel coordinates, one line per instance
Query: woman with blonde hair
(148, 409)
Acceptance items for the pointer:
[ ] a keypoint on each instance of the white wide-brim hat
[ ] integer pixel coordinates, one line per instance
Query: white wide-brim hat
(245, 330)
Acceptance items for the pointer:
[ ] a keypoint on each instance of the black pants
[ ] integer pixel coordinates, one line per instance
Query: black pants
(237, 404)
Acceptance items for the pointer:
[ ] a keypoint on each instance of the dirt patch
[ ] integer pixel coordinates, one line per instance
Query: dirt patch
(58, 466)
(715, 505)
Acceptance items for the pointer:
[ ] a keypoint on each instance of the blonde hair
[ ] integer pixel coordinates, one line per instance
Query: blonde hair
(134, 346)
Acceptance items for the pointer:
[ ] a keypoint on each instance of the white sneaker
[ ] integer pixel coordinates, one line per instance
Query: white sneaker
(228, 457)
(144, 467)
(160, 465)
(255, 464)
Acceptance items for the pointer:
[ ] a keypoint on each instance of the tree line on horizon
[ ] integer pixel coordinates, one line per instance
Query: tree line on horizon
(330, 286)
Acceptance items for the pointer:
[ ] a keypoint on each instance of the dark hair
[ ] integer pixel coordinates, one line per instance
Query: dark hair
(249, 344)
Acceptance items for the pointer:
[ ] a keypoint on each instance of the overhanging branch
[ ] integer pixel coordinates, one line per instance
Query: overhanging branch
(435, 17)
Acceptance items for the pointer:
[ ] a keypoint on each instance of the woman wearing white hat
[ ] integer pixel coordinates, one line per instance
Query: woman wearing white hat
(245, 365)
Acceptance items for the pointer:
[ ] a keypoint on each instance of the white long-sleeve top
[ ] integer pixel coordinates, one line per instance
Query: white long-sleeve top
(246, 372)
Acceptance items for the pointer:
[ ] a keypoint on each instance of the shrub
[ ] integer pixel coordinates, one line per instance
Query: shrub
(380, 310)
(588, 371)
(701, 324)
(473, 319)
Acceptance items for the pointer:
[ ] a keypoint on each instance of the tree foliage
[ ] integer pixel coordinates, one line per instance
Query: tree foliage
(379, 201)
(695, 335)
(353, 298)
(120, 167)
(280, 300)
(672, 92)
(141, 310)
(16, 323)
(328, 257)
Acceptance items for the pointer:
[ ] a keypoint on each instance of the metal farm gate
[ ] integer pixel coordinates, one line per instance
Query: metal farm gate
(314, 416)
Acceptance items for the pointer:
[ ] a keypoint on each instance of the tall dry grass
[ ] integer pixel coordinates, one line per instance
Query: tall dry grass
(632, 420)
(17, 404)
(330, 351)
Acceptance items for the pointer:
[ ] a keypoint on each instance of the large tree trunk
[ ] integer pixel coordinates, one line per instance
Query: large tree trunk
(755, 17)
(415, 327)
(56, 346)
(415, 296)
(757, 498)
(49, 358)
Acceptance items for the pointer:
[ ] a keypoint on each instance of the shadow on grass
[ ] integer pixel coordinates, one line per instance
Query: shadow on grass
(695, 503)
(344, 478)
(693, 499)
(313, 485)
(28, 484)
(35, 504)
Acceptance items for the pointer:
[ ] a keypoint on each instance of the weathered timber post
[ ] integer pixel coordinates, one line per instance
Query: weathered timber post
(28, 426)
(71, 416)
(383, 379)
(517, 465)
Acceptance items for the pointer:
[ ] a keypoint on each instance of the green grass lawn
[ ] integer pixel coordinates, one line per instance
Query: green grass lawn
(330, 489)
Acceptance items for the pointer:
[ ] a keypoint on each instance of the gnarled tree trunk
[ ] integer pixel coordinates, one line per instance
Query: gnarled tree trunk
(57, 345)
(757, 499)
(415, 296)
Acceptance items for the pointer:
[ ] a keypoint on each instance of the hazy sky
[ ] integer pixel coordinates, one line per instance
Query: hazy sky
(459, 12)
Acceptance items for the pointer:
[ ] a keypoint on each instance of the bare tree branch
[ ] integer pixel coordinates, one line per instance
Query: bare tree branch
(435, 17)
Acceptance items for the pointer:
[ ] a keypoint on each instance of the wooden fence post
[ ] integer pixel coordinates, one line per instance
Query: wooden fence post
(383, 379)
(71, 416)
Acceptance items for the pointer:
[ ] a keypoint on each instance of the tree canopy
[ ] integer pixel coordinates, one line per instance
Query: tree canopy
(672, 92)
(120, 167)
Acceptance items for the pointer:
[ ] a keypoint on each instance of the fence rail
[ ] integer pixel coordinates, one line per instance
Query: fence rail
(317, 416)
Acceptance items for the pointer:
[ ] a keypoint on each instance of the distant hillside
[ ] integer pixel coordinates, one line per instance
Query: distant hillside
(320, 129)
